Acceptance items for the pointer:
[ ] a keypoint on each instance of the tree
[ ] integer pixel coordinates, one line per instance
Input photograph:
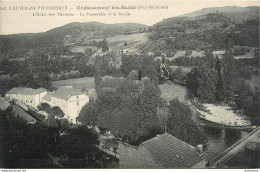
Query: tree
(133, 75)
(57, 112)
(89, 114)
(149, 99)
(181, 125)
(128, 109)
(207, 90)
(80, 143)
(130, 63)
(149, 67)
(219, 85)
(163, 115)
(98, 75)
(229, 76)
(103, 44)
(201, 83)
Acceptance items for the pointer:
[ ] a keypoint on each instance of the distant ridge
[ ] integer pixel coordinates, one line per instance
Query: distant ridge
(235, 13)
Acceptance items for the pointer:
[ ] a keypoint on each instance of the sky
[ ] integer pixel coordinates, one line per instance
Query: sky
(14, 21)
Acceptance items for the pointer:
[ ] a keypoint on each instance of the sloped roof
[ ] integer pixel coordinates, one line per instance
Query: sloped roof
(27, 91)
(3, 104)
(66, 92)
(171, 152)
(17, 111)
(47, 97)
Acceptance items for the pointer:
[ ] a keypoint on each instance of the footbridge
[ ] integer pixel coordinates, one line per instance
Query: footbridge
(219, 160)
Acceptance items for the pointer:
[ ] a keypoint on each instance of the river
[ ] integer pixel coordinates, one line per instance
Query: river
(219, 139)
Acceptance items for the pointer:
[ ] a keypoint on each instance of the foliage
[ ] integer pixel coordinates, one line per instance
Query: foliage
(57, 111)
(129, 63)
(133, 75)
(149, 67)
(45, 107)
(182, 126)
(36, 141)
(80, 142)
(127, 108)
(201, 83)
(103, 45)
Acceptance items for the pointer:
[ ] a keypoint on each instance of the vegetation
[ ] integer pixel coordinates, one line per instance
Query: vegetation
(221, 79)
(133, 111)
(24, 142)
(181, 125)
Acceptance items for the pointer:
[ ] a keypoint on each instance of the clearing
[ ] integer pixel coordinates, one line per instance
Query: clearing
(133, 41)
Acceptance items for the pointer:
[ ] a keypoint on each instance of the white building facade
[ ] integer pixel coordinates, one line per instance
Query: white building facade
(70, 101)
(28, 96)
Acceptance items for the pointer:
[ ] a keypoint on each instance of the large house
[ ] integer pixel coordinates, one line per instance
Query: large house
(69, 99)
(162, 151)
(28, 96)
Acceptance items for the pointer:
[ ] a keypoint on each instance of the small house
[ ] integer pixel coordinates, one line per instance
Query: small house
(162, 151)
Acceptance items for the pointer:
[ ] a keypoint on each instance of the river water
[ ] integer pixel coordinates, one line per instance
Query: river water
(220, 139)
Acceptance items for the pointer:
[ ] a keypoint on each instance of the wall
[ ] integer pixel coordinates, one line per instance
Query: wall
(133, 157)
(72, 106)
(26, 99)
(75, 104)
(60, 103)
(42, 95)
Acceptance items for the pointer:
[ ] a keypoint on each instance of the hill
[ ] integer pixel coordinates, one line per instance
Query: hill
(12, 46)
(234, 13)
(206, 29)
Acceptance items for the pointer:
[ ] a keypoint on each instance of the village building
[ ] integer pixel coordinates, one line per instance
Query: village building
(69, 99)
(28, 96)
(162, 151)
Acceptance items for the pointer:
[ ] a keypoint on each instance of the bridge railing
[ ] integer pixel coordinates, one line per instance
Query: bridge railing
(234, 145)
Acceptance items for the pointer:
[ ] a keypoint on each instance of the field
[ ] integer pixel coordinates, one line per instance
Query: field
(132, 40)
(170, 90)
(79, 83)
(81, 49)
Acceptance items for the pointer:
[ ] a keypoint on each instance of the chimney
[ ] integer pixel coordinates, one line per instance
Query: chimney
(200, 149)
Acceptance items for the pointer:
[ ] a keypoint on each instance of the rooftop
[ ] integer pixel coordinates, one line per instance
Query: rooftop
(66, 92)
(3, 104)
(25, 91)
(47, 97)
(17, 111)
(171, 152)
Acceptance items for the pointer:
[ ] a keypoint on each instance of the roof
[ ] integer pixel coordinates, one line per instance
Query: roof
(26, 91)
(171, 152)
(47, 97)
(17, 111)
(3, 104)
(20, 104)
(66, 92)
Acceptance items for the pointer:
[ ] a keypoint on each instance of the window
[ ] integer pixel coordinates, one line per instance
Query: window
(26, 101)
(30, 101)
(77, 103)
(77, 97)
